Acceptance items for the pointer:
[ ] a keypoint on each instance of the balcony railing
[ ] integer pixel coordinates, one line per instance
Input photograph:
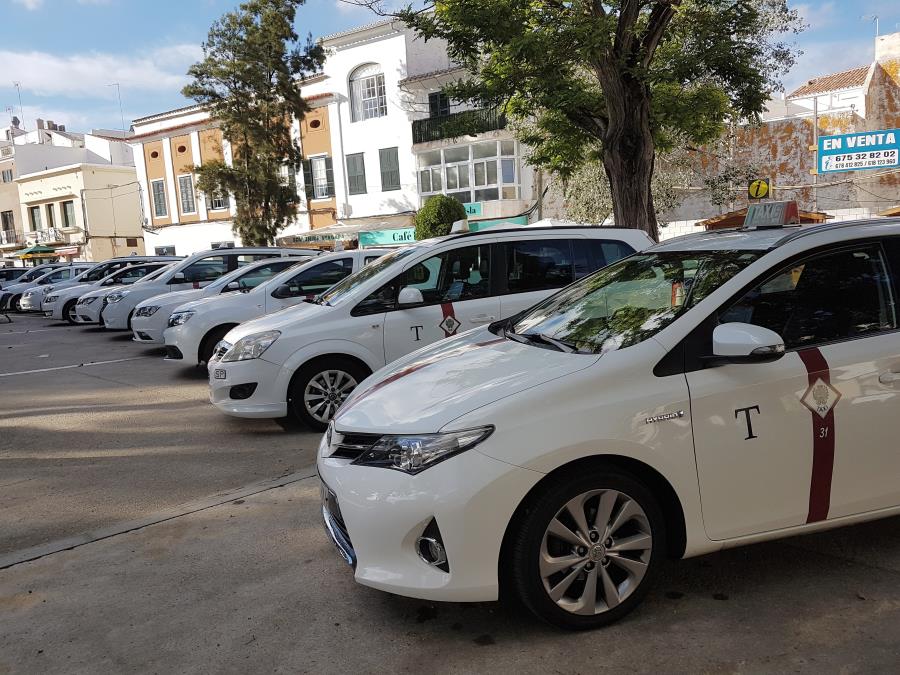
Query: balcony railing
(458, 124)
(8, 237)
(49, 236)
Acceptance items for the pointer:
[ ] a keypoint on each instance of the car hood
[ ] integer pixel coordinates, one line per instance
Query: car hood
(18, 288)
(172, 298)
(77, 289)
(423, 392)
(200, 304)
(281, 320)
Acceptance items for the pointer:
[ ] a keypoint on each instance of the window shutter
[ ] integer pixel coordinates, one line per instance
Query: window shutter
(329, 176)
(390, 169)
(307, 181)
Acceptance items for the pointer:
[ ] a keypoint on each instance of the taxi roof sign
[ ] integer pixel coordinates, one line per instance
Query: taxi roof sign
(772, 214)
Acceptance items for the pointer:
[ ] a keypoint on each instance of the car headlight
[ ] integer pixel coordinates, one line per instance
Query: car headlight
(179, 318)
(27, 294)
(51, 298)
(47, 289)
(87, 301)
(251, 346)
(116, 297)
(150, 310)
(416, 452)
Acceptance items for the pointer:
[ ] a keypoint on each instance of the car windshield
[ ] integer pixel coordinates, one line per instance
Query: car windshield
(370, 271)
(155, 274)
(33, 274)
(628, 301)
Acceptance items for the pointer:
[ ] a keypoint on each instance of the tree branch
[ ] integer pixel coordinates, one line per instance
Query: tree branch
(628, 16)
(656, 27)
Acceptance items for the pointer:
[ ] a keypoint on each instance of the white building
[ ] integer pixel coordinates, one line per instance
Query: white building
(379, 139)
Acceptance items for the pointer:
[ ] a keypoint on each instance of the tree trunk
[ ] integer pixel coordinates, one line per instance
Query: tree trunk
(628, 154)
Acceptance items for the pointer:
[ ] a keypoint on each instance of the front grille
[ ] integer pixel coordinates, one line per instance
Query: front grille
(172, 352)
(351, 446)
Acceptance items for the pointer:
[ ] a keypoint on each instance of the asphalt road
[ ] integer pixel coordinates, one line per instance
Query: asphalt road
(195, 546)
(82, 448)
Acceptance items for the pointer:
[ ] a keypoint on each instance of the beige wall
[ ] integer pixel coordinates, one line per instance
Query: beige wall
(315, 137)
(110, 199)
(156, 170)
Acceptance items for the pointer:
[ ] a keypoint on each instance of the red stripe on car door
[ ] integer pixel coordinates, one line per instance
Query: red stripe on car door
(447, 310)
(823, 440)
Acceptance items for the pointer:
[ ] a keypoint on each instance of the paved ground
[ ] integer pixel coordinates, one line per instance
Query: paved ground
(246, 581)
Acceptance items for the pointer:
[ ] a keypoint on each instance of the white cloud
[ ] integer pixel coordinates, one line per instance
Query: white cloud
(87, 75)
(818, 15)
(30, 5)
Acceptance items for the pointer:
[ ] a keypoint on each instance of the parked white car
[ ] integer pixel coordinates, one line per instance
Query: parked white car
(90, 303)
(564, 453)
(30, 298)
(306, 360)
(11, 296)
(195, 328)
(196, 271)
(60, 303)
(151, 316)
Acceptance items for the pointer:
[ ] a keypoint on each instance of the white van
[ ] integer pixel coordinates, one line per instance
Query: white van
(713, 391)
(196, 327)
(305, 360)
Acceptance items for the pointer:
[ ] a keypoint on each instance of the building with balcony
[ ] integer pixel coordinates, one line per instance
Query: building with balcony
(84, 211)
(47, 148)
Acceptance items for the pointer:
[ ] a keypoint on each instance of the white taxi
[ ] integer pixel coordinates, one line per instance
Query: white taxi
(151, 316)
(714, 391)
(195, 328)
(307, 359)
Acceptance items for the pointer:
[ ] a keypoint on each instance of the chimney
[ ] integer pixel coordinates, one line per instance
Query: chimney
(40, 123)
(887, 47)
(61, 127)
(51, 126)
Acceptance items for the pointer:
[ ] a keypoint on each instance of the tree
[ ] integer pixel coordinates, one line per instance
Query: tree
(250, 76)
(614, 81)
(437, 215)
(588, 198)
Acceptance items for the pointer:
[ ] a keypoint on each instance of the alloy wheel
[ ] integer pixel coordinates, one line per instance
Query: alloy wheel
(595, 552)
(326, 391)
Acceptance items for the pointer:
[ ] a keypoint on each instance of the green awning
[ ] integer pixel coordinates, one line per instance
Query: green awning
(35, 251)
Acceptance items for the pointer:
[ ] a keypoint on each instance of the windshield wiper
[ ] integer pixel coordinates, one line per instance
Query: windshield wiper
(531, 338)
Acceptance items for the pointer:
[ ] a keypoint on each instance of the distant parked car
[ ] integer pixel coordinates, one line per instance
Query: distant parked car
(8, 275)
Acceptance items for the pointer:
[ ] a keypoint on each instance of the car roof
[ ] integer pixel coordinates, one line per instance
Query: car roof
(766, 239)
(525, 230)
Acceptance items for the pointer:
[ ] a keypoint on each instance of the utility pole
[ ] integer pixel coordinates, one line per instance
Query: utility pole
(121, 114)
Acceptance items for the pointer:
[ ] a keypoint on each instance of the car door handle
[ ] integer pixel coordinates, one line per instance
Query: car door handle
(889, 377)
(482, 318)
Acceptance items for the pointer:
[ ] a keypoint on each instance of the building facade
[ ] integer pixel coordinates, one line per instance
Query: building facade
(179, 219)
(782, 148)
(51, 178)
(379, 140)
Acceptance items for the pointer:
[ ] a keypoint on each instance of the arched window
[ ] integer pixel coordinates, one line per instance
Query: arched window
(367, 97)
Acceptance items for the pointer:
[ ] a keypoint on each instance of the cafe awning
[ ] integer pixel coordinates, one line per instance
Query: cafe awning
(35, 251)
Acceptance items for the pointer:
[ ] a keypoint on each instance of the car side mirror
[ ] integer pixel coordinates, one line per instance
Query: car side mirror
(284, 291)
(179, 278)
(410, 296)
(746, 343)
(232, 286)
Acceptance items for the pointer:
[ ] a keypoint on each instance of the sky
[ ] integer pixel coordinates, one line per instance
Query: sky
(65, 54)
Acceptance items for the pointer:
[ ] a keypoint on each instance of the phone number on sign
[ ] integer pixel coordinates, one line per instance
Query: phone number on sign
(860, 160)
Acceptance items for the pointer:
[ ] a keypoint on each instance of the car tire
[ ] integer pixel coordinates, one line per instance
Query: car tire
(320, 386)
(16, 303)
(68, 311)
(209, 342)
(581, 580)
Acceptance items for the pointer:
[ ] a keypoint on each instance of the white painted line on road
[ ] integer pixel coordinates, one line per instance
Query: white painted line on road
(77, 365)
(67, 544)
(23, 332)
